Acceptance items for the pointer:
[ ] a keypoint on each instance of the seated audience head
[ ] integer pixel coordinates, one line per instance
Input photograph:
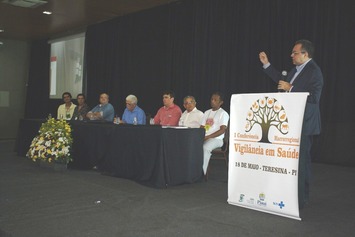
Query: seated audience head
(216, 100)
(104, 98)
(66, 96)
(189, 103)
(168, 98)
(80, 99)
(131, 102)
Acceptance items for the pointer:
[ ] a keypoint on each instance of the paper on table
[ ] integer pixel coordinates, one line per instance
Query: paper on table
(176, 127)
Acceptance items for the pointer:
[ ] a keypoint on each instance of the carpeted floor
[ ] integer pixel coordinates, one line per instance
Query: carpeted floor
(35, 201)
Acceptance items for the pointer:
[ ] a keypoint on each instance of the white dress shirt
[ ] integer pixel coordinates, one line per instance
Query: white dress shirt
(191, 119)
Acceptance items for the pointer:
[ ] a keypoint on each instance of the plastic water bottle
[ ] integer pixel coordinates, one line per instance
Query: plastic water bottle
(135, 122)
(117, 120)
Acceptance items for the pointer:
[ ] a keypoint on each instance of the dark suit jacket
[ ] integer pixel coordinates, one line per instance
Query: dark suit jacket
(309, 80)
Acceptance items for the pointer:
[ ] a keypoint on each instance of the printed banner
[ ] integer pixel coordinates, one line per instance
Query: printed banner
(265, 136)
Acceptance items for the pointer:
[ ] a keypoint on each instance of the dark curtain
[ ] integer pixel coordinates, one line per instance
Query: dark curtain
(200, 46)
(37, 97)
(129, 55)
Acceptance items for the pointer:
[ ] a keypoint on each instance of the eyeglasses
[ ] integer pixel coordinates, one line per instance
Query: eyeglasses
(296, 53)
(188, 103)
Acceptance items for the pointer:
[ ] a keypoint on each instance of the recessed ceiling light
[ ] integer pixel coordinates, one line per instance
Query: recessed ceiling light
(47, 12)
(1, 30)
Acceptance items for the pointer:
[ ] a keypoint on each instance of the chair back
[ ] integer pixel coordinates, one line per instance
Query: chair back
(226, 139)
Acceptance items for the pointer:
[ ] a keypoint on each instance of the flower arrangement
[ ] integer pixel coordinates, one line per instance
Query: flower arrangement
(53, 142)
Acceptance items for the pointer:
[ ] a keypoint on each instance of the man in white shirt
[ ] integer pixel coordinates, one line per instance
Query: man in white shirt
(66, 110)
(215, 122)
(192, 116)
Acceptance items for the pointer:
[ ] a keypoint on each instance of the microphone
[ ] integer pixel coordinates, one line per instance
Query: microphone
(284, 75)
(283, 78)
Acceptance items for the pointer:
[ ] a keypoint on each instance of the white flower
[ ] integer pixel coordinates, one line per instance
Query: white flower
(66, 150)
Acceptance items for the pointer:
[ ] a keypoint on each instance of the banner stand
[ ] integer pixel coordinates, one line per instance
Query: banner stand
(265, 137)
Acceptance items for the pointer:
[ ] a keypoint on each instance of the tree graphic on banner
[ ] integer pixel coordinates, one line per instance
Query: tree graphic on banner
(267, 112)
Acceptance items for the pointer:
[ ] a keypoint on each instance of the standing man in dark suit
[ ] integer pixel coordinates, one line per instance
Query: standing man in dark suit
(305, 77)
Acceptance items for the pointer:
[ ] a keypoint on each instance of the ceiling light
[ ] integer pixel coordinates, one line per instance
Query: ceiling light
(2, 30)
(47, 12)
